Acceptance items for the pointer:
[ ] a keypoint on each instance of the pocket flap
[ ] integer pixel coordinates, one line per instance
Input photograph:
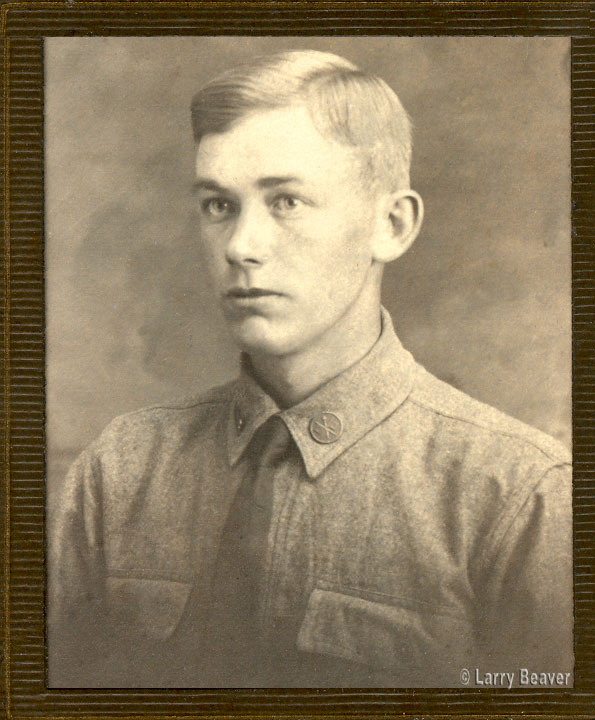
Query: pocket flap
(422, 647)
(151, 606)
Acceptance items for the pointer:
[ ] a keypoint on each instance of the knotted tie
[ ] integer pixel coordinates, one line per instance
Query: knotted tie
(238, 581)
(269, 452)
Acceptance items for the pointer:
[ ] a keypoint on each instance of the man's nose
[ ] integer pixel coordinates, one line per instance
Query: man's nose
(249, 243)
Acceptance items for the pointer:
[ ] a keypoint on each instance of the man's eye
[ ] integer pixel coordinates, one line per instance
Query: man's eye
(216, 207)
(286, 204)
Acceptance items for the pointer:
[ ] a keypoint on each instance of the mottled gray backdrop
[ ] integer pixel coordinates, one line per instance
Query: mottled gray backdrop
(482, 299)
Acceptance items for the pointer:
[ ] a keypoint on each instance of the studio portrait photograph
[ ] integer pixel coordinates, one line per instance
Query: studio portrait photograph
(308, 362)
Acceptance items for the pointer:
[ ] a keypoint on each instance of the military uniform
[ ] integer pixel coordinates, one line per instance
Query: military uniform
(413, 532)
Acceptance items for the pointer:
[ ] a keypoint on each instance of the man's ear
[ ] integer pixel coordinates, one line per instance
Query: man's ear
(402, 214)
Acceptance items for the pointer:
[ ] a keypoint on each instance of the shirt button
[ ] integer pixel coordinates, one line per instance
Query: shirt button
(239, 422)
(326, 427)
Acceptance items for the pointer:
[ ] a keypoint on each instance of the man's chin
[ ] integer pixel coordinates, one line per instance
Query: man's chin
(258, 336)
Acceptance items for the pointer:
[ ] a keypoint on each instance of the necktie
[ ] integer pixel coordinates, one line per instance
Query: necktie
(239, 582)
(269, 453)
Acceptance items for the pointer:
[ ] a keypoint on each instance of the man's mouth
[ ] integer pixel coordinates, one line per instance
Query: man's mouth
(245, 293)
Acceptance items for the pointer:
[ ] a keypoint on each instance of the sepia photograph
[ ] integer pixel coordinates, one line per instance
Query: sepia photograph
(308, 362)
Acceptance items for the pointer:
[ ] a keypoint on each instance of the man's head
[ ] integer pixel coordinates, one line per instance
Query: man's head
(355, 108)
(303, 194)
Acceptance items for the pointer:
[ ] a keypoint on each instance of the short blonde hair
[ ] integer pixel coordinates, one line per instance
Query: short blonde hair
(353, 107)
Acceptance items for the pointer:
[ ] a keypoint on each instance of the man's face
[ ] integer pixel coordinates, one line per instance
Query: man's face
(287, 229)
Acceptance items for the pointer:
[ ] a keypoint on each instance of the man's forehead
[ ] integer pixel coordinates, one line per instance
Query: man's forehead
(283, 142)
(258, 129)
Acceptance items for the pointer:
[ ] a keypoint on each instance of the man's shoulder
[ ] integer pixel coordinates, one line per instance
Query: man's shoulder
(170, 418)
(478, 423)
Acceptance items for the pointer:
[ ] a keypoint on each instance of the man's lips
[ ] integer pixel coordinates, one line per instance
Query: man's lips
(249, 293)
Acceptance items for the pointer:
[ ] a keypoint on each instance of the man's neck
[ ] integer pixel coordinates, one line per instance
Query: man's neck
(292, 378)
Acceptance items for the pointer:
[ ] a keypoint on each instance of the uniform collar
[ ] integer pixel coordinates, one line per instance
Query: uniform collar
(338, 414)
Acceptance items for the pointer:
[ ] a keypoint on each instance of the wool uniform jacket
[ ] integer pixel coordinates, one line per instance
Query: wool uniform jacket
(414, 532)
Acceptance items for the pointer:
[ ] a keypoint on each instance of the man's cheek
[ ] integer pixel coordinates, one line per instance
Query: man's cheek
(213, 255)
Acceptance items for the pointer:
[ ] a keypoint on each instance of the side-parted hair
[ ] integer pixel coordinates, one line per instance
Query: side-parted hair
(351, 106)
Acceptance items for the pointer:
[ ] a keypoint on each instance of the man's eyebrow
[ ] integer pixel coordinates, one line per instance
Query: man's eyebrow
(268, 182)
(264, 183)
(206, 184)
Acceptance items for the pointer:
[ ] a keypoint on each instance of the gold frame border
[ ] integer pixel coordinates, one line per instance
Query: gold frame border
(74, 5)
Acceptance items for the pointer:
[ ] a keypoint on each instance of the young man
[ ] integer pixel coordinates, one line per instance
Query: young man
(336, 516)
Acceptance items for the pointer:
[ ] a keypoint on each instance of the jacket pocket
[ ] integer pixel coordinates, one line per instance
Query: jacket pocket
(152, 607)
(408, 645)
